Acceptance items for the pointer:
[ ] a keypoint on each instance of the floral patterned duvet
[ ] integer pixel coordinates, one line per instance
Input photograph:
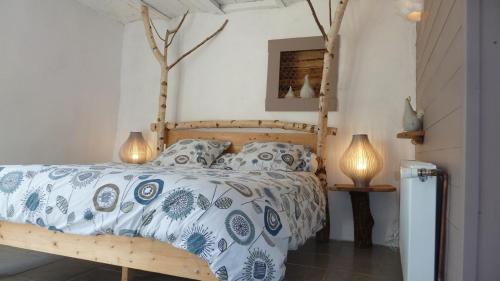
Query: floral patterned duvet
(241, 222)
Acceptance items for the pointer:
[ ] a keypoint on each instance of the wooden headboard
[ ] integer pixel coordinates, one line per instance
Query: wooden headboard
(304, 133)
(238, 139)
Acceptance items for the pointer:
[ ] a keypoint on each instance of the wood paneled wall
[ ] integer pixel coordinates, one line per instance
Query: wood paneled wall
(441, 76)
(488, 242)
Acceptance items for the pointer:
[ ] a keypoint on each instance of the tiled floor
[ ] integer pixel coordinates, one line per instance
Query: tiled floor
(335, 261)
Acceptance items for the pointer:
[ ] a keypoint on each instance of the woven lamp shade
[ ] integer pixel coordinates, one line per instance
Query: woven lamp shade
(361, 162)
(135, 150)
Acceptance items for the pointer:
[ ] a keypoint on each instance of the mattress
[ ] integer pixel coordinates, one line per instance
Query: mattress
(241, 222)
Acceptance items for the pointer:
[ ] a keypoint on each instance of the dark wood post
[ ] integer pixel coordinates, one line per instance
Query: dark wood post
(363, 220)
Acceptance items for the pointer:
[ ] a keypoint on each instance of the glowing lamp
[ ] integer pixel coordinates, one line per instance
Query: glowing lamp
(414, 16)
(361, 162)
(412, 9)
(135, 150)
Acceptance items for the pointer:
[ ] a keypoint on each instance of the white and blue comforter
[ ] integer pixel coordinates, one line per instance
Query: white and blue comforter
(241, 223)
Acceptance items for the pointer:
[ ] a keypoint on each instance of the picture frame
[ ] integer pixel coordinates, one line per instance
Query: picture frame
(289, 60)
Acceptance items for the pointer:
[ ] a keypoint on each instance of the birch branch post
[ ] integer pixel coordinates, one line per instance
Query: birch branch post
(325, 89)
(324, 94)
(162, 59)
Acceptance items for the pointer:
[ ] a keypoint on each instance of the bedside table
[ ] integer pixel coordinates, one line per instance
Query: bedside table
(362, 216)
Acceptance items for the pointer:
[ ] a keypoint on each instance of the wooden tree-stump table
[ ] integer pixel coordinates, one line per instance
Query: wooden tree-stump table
(362, 216)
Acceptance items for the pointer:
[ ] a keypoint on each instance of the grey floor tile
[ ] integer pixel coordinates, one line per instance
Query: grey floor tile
(60, 270)
(14, 278)
(109, 273)
(98, 274)
(333, 261)
(14, 260)
(304, 273)
(309, 259)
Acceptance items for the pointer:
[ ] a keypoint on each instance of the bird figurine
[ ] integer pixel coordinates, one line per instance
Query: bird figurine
(290, 94)
(412, 121)
(307, 91)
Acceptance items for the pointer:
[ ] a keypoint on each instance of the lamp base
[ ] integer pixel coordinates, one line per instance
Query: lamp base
(361, 183)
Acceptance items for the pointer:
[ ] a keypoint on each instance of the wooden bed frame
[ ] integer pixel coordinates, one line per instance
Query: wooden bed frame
(154, 256)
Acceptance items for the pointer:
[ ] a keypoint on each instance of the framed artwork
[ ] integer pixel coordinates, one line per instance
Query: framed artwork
(295, 68)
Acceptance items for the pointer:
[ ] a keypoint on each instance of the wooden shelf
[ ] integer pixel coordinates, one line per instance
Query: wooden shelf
(371, 188)
(417, 137)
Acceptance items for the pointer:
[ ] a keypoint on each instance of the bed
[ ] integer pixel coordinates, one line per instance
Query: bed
(234, 220)
(234, 225)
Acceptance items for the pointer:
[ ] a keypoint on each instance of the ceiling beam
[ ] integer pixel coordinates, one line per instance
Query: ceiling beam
(256, 5)
(206, 6)
(214, 5)
(280, 3)
(155, 9)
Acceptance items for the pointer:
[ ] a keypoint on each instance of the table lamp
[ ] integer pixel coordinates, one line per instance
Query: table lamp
(135, 150)
(361, 162)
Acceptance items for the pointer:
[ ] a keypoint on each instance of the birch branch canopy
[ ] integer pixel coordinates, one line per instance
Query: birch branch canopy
(316, 19)
(169, 37)
(162, 59)
(199, 44)
(174, 32)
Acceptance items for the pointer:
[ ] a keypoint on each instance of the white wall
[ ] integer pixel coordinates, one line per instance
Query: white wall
(59, 82)
(226, 79)
(59, 90)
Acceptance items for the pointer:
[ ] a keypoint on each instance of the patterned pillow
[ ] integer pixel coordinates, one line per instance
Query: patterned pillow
(192, 153)
(308, 162)
(268, 156)
(223, 161)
